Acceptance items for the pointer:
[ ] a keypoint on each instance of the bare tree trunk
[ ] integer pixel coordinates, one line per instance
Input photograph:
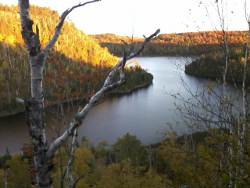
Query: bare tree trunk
(5, 178)
(62, 171)
(35, 121)
(224, 98)
(35, 106)
(150, 157)
(70, 177)
(243, 127)
(43, 153)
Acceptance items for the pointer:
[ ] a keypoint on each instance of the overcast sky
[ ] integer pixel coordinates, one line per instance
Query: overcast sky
(138, 17)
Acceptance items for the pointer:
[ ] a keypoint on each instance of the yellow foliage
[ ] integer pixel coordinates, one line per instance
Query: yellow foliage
(72, 42)
(71, 69)
(242, 60)
(83, 160)
(10, 40)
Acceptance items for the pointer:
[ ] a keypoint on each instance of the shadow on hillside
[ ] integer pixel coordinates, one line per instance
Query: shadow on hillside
(65, 78)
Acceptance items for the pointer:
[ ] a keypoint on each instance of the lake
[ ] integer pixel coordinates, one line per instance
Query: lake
(147, 113)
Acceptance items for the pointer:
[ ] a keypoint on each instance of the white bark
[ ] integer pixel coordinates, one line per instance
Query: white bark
(43, 152)
(60, 25)
(109, 83)
(224, 98)
(70, 177)
(35, 106)
(243, 126)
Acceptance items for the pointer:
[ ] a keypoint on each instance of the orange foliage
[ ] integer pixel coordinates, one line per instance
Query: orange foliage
(74, 68)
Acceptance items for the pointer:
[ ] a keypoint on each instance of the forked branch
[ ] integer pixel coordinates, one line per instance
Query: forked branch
(109, 83)
(60, 25)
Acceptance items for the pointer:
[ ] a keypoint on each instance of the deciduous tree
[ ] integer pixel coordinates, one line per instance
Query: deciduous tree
(43, 152)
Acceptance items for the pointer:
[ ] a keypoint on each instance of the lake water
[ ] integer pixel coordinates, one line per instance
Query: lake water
(147, 113)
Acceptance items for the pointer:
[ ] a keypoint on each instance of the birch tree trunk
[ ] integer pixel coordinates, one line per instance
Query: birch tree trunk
(243, 126)
(69, 174)
(43, 153)
(225, 108)
(35, 106)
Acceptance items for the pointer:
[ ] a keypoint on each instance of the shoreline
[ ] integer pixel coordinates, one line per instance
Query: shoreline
(129, 91)
(118, 93)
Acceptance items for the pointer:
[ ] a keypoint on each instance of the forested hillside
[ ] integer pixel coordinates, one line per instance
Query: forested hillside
(187, 161)
(179, 44)
(75, 68)
(191, 133)
(211, 65)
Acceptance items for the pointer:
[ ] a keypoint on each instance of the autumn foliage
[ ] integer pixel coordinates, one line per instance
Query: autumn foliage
(75, 68)
(177, 44)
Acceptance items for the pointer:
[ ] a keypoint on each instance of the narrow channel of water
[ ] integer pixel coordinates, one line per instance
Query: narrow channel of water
(146, 113)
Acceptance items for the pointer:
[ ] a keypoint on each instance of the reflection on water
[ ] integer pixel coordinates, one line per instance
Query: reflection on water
(146, 113)
(13, 133)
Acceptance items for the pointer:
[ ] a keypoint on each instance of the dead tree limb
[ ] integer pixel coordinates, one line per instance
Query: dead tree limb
(73, 146)
(243, 126)
(43, 152)
(35, 105)
(109, 83)
(230, 152)
(60, 25)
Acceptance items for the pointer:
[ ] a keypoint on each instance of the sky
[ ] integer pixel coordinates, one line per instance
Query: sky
(142, 17)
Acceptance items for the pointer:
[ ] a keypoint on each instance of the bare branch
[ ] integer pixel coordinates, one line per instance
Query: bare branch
(30, 37)
(60, 25)
(70, 178)
(109, 83)
(144, 44)
(20, 101)
(26, 22)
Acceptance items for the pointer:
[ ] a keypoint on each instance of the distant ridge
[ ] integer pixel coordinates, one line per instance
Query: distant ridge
(177, 44)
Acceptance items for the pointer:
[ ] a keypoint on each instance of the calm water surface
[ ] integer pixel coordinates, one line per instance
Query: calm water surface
(147, 113)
